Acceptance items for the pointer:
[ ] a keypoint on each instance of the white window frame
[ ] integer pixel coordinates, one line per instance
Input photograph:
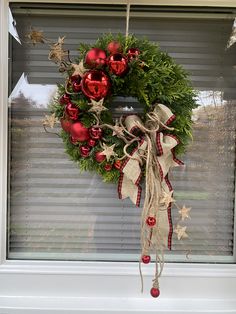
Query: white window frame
(101, 287)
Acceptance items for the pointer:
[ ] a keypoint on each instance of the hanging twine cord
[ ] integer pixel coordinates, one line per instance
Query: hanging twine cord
(127, 18)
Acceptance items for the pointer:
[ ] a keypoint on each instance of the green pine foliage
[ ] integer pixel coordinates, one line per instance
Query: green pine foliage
(153, 78)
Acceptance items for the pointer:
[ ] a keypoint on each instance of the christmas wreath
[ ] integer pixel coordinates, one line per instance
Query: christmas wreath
(132, 147)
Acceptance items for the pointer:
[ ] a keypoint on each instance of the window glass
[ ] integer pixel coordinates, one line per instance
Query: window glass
(56, 212)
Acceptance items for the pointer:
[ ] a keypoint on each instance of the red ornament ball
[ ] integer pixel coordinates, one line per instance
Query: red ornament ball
(95, 132)
(133, 53)
(66, 125)
(151, 221)
(75, 78)
(95, 57)
(146, 259)
(65, 99)
(84, 151)
(108, 167)
(114, 47)
(72, 111)
(99, 157)
(155, 292)
(79, 132)
(73, 140)
(118, 64)
(76, 86)
(118, 164)
(95, 84)
(91, 142)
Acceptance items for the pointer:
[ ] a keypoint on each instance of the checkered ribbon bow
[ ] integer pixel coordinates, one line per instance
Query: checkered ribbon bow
(160, 147)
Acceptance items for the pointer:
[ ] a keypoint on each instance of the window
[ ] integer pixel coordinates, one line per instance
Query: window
(92, 287)
(58, 213)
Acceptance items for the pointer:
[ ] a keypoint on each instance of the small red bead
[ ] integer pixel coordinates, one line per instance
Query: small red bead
(65, 99)
(146, 259)
(108, 167)
(117, 164)
(155, 292)
(91, 142)
(76, 87)
(151, 221)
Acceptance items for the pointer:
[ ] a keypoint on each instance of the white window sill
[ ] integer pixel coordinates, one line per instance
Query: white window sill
(87, 287)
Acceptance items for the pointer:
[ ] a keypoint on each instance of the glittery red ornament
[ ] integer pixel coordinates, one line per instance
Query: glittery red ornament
(118, 164)
(99, 157)
(72, 111)
(118, 64)
(114, 47)
(133, 53)
(91, 142)
(95, 57)
(66, 125)
(84, 151)
(146, 259)
(108, 167)
(65, 99)
(155, 292)
(95, 132)
(76, 86)
(151, 221)
(95, 84)
(79, 132)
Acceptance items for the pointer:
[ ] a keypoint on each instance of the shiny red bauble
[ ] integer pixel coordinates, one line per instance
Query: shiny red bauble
(65, 99)
(95, 84)
(95, 57)
(84, 151)
(155, 292)
(91, 142)
(79, 132)
(133, 53)
(108, 167)
(118, 64)
(73, 140)
(99, 157)
(66, 125)
(95, 132)
(75, 77)
(146, 259)
(118, 164)
(72, 111)
(76, 86)
(114, 47)
(151, 221)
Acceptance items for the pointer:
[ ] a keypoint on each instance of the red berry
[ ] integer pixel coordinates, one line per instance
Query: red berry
(95, 132)
(118, 164)
(91, 142)
(84, 151)
(155, 292)
(108, 167)
(65, 99)
(151, 221)
(146, 259)
(76, 87)
(99, 157)
(133, 53)
(114, 47)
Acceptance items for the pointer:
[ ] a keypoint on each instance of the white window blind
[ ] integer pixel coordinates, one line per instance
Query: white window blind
(56, 212)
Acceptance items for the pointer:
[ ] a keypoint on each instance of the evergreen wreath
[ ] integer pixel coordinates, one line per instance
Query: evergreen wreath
(117, 66)
(134, 146)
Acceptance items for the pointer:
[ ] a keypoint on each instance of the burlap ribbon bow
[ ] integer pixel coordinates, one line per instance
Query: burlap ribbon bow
(156, 150)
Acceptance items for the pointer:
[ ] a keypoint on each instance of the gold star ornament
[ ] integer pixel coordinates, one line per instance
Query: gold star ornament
(117, 130)
(36, 36)
(108, 151)
(181, 232)
(184, 212)
(57, 54)
(167, 198)
(50, 121)
(97, 106)
(79, 69)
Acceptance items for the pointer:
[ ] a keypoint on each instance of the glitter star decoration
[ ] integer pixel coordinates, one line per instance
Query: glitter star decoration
(36, 36)
(117, 129)
(184, 212)
(97, 106)
(167, 198)
(57, 53)
(108, 151)
(50, 120)
(181, 232)
(79, 69)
